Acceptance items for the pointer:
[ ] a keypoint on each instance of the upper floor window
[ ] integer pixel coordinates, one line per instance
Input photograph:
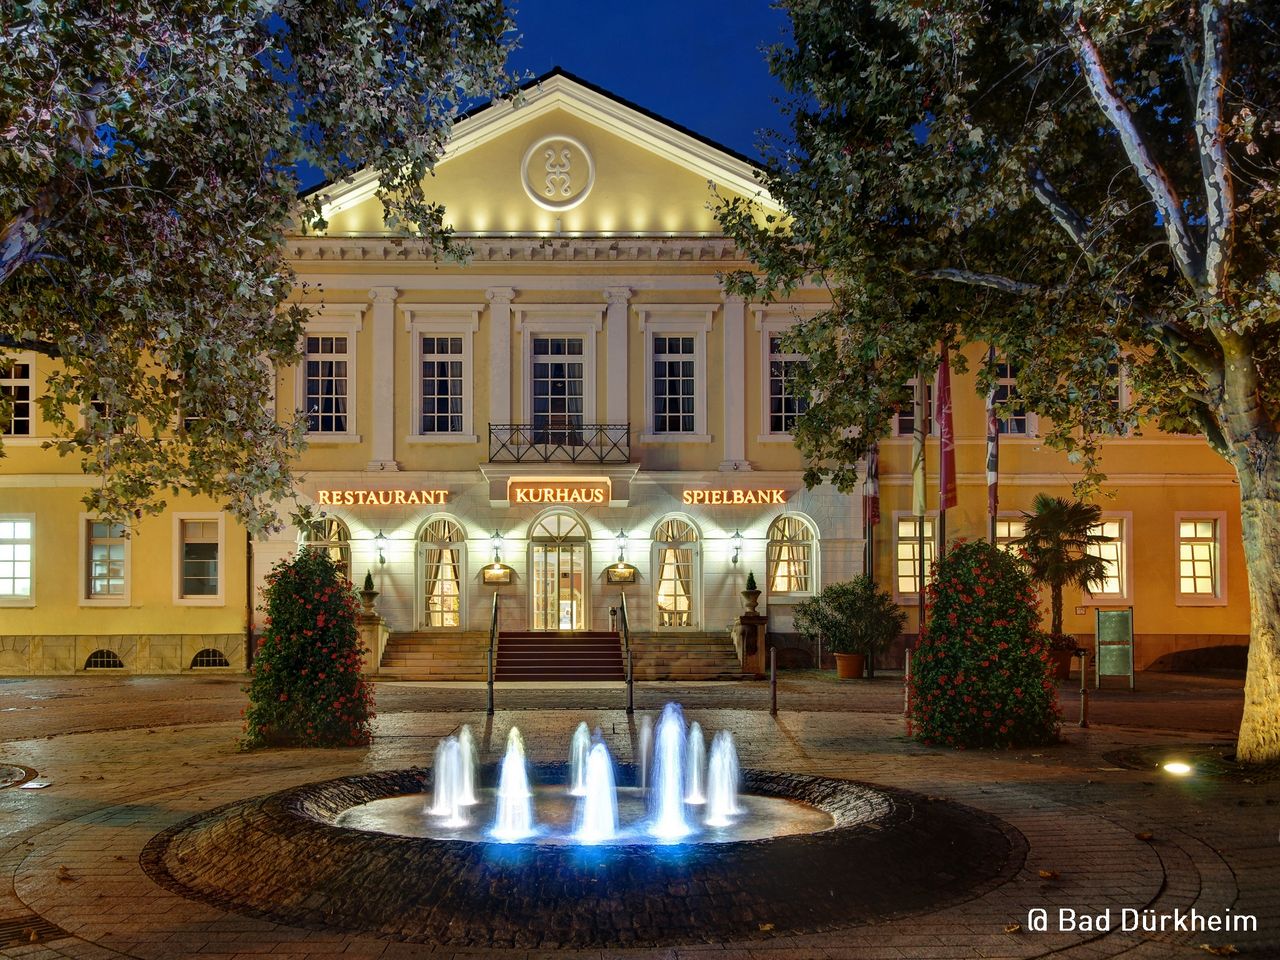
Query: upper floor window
(15, 558)
(559, 388)
(906, 553)
(1008, 530)
(790, 555)
(1115, 583)
(443, 383)
(1012, 412)
(674, 384)
(785, 402)
(15, 387)
(106, 561)
(328, 371)
(332, 536)
(904, 421)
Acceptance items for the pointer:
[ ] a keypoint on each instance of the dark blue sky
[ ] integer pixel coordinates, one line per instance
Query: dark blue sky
(697, 62)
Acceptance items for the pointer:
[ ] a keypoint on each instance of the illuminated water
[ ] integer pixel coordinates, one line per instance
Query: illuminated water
(722, 781)
(695, 767)
(578, 748)
(514, 819)
(600, 805)
(667, 787)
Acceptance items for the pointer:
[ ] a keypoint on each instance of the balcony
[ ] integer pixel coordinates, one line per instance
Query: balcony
(560, 442)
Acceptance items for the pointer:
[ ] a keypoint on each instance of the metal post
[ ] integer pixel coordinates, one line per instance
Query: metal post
(489, 710)
(1083, 654)
(773, 682)
(631, 685)
(906, 689)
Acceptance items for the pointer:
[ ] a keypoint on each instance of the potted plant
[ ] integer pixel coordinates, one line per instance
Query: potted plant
(1054, 547)
(855, 619)
(367, 593)
(1062, 647)
(751, 595)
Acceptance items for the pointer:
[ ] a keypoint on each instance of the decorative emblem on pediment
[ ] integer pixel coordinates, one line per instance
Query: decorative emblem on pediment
(557, 172)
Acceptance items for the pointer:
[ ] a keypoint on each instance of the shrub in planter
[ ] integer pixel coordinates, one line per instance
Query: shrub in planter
(305, 687)
(980, 677)
(852, 617)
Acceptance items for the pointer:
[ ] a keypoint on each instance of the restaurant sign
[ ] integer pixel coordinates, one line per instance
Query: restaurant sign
(551, 491)
(382, 498)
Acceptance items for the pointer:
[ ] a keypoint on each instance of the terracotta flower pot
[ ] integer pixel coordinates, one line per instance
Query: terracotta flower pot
(1061, 660)
(850, 666)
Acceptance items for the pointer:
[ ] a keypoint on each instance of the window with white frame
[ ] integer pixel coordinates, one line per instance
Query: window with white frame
(559, 389)
(1112, 553)
(15, 387)
(106, 561)
(674, 384)
(333, 537)
(906, 553)
(15, 558)
(443, 568)
(443, 383)
(1009, 529)
(904, 422)
(199, 560)
(789, 555)
(1013, 418)
(1199, 557)
(786, 403)
(675, 545)
(327, 386)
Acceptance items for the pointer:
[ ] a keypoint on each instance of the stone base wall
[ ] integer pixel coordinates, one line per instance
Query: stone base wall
(140, 654)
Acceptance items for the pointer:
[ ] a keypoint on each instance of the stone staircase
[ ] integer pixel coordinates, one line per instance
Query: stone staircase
(684, 656)
(588, 655)
(435, 656)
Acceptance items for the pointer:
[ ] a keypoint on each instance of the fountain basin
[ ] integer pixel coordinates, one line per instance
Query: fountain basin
(876, 853)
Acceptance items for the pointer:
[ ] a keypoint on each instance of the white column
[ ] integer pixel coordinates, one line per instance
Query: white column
(499, 354)
(616, 368)
(734, 353)
(383, 373)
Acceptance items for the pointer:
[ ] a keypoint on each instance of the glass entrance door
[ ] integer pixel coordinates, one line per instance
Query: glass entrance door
(559, 586)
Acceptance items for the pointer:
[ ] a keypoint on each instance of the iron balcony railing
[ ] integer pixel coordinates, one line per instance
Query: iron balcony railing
(560, 443)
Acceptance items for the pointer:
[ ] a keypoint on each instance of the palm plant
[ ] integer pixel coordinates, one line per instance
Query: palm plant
(1055, 545)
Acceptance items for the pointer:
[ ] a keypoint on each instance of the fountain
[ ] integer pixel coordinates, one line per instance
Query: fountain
(467, 753)
(447, 799)
(695, 767)
(667, 789)
(578, 747)
(599, 820)
(722, 781)
(515, 799)
(644, 749)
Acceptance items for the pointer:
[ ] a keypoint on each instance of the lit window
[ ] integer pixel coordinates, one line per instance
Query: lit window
(331, 535)
(559, 389)
(907, 554)
(442, 385)
(443, 565)
(108, 560)
(15, 387)
(674, 541)
(199, 574)
(1013, 414)
(789, 560)
(904, 421)
(1112, 554)
(785, 404)
(1198, 557)
(15, 559)
(673, 384)
(1008, 531)
(327, 384)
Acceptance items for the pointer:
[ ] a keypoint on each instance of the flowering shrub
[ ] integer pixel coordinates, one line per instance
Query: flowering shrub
(305, 687)
(980, 677)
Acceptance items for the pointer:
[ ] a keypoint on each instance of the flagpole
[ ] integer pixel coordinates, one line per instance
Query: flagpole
(993, 452)
(918, 504)
(946, 447)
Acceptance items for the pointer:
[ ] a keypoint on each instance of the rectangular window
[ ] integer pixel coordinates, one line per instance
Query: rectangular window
(1112, 554)
(15, 387)
(905, 420)
(1013, 415)
(107, 571)
(15, 559)
(1008, 530)
(1198, 558)
(559, 372)
(785, 404)
(907, 554)
(442, 385)
(674, 378)
(327, 383)
(199, 544)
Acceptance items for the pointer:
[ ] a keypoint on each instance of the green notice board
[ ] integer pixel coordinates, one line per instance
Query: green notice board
(1114, 654)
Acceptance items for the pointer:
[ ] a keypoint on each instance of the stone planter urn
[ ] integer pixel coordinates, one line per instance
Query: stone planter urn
(752, 599)
(366, 600)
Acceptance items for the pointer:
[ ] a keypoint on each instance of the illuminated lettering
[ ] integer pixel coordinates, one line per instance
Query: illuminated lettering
(735, 498)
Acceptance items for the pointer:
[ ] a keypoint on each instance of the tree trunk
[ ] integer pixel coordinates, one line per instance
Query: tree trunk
(1259, 740)
(1055, 608)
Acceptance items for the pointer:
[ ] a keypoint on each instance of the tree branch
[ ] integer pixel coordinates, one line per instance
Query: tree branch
(1218, 189)
(1186, 253)
(35, 346)
(1070, 221)
(991, 280)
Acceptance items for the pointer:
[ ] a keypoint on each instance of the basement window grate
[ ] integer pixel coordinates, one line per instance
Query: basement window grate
(104, 660)
(209, 657)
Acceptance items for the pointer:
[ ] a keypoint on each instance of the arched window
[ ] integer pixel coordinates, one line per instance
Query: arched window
(558, 527)
(675, 575)
(789, 561)
(443, 566)
(331, 535)
(209, 657)
(104, 660)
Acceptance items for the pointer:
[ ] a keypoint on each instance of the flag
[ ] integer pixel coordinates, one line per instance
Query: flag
(946, 437)
(917, 449)
(871, 486)
(993, 445)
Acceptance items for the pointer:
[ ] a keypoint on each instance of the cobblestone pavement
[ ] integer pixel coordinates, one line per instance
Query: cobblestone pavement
(127, 758)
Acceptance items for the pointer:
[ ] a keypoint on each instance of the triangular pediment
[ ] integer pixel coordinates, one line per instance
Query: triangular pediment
(570, 159)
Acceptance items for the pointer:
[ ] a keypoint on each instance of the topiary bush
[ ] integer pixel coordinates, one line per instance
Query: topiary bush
(305, 687)
(981, 674)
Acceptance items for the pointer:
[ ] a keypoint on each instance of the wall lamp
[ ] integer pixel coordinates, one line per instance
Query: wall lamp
(380, 543)
(736, 540)
(496, 541)
(621, 542)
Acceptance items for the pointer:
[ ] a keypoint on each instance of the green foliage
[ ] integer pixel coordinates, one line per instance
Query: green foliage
(368, 581)
(751, 580)
(148, 178)
(980, 676)
(851, 617)
(1055, 548)
(305, 687)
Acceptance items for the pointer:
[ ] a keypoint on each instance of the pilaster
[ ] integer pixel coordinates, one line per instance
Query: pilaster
(499, 354)
(734, 332)
(616, 362)
(383, 388)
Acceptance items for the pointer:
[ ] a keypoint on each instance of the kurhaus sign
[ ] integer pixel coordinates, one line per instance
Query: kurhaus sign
(559, 491)
(381, 498)
(734, 497)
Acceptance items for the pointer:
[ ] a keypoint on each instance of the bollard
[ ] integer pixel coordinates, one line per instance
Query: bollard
(773, 682)
(631, 699)
(1083, 654)
(489, 710)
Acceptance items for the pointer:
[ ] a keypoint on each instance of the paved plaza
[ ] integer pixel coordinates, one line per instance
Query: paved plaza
(126, 759)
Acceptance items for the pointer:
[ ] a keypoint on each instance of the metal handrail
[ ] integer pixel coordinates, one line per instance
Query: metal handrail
(493, 636)
(626, 647)
(558, 442)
